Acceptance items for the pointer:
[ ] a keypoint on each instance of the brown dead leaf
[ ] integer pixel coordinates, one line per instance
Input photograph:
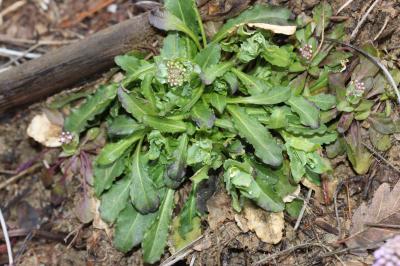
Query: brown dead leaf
(98, 223)
(384, 209)
(44, 131)
(268, 226)
(219, 210)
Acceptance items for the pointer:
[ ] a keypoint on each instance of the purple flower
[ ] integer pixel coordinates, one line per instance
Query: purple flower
(389, 253)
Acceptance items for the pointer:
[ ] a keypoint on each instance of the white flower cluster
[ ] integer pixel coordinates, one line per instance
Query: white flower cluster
(66, 137)
(306, 51)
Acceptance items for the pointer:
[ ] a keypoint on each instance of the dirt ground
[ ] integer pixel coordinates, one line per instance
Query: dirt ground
(46, 231)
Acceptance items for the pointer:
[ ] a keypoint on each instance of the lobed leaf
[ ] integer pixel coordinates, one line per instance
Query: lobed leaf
(259, 137)
(155, 239)
(113, 151)
(130, 228)
(143, 193)
(94, 105)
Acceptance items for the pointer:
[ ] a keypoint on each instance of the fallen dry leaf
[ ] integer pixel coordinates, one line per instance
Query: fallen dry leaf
(268, 226)
(98, 223)
(219, 209)
(279, 29)
(44, 131)
(384, 209)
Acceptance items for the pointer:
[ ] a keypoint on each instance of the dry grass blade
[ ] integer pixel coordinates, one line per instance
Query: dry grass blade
(384, 209)
(7, 239)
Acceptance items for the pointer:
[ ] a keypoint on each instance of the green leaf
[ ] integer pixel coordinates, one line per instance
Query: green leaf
(165, 20)
(323, 101)
(202, 115)
(130, 228)
(293, 208)
(309, 114)
(298, 161)
(214, 71)
(278, 118)
(185, 11)
(115, 200)
(112, 151)
(175, 46)
(271, 96)
(379, 141)
(189, 212)
(155, 239)
(128, 63)
(165, 124)
(143, 193)
(218, 101)
(321, 16)
(95, 104)
(104, 176)
(384, 124)
(253, 84)
(208, 56)
(259, 191)
(135, 106)
(251, 47)
(262, 14)
(123, 125)
(259, 137)
(177, 169)
(147, 90)
(277, 56)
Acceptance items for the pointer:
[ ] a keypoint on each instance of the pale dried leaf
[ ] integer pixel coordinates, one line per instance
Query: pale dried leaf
(383, 209)
(98, 223)
(279, 29)
(44, 132)
(291, 197)
(268, 226)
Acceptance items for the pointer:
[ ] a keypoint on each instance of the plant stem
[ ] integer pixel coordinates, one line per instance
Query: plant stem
(203, 34)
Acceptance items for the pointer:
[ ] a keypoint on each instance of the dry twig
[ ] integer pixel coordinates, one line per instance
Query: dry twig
(344, 6)
(383, 28)
(303, 209)
(19, 175)
(362, 20)
(7, 239)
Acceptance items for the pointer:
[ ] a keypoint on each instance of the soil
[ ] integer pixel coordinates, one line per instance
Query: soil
(29, 203)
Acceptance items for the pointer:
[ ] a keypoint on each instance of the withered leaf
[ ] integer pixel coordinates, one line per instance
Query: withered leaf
(384, 209)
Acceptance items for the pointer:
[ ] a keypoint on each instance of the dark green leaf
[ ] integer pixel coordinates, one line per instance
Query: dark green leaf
(323, 101)
(218, 101)
(185, 11)
(208, 56)
(135, 106)
(309, 114)
(155, 239)
(112, 151)
(264, 144)
(277, 56)
(202, 115)
(165, 124)
(271, 96)
(115, 200)
(214, 71)
(143, 193)
(94, 105)
(253, 84)
(167, 21)
(177, 169)
(130, 228)
(128, 63)
(123, 125)
(104, 176)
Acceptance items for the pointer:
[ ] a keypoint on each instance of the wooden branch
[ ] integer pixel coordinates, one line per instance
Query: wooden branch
(65, 67)
(37, 79)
